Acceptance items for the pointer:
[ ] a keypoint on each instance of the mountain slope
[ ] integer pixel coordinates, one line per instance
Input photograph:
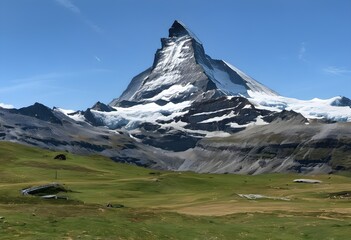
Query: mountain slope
(67, 134)
(281, 146)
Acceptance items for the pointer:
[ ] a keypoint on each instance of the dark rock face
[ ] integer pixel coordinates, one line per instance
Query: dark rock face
(177, 30)
(217, 114)
(38, 111)
(99, 106)
(286, 116)
(126, 104)
(342, 102)
(90, 118)
(176, 141)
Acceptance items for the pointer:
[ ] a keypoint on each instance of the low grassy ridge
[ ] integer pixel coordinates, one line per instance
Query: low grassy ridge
(161, 204)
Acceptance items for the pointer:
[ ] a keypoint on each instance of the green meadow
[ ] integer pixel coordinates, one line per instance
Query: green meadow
(152, 204)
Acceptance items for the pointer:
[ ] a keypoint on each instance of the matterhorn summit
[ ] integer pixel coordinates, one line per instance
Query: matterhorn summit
(183, 72)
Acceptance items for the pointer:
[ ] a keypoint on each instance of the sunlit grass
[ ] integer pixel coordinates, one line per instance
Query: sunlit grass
(161, 204)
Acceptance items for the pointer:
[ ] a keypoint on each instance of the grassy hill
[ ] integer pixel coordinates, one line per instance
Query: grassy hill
(161, 204)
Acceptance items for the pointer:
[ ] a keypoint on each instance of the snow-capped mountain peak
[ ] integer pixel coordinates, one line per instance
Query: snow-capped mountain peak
(183, 72)
(183, 76)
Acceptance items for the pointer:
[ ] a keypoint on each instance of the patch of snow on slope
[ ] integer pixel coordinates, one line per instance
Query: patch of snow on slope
(236, 125)
(208, 113)
(171, 56)
(174, 92)
(131, 117)
(4, 105)
(223, 82)
(76, 116)
(312, 109)
(247, 106)
(259, 121)
(65, 111)
(220, 118)
(208, 134)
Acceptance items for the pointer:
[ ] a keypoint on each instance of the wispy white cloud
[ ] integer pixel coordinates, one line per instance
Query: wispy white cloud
(68, 4)
(36, 78)
(27, 87)
(33, 82)
(92, 25)
(46, 80)
(339, 71)
(4, 105)
(302, 52)
(97, 59)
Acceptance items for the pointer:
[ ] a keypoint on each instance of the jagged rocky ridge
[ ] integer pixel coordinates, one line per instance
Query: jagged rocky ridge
(191, 112)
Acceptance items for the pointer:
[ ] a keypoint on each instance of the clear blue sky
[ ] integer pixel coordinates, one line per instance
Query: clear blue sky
(72, 53)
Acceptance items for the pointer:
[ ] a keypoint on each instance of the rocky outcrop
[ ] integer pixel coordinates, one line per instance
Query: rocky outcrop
(222, 114)
(342, 102)
(99, 106)
(38, 111)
